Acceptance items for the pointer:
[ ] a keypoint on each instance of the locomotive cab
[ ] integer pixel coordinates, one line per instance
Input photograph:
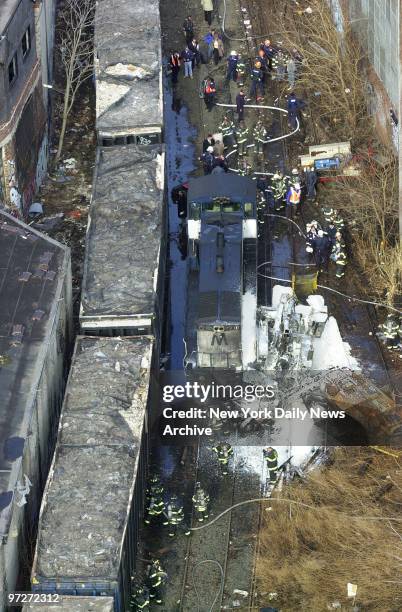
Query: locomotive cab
(222, 233)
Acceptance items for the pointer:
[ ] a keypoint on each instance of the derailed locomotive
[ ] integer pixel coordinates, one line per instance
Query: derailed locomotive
(222, 253)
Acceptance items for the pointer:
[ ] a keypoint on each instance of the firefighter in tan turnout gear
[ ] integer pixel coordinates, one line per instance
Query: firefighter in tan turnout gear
(200, 501)
(224, 451)
(271, 458)
(174, 515)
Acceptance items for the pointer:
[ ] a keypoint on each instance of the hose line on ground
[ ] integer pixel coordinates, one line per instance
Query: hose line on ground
(263, 106)
(221, 585)
(297, 503)
(349, 297)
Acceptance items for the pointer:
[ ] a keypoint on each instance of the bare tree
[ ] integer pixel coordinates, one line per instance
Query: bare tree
(334, 77)
(76, 54)
(333, 73)
(370, 202)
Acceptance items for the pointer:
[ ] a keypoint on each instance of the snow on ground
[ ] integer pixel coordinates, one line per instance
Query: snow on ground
(251, 459)
(248, 328)
(330, 351)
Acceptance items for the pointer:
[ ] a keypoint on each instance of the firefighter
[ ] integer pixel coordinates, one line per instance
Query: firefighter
(278, 190)
(271, 458)
(155, 486)
(338, 255)
(329, 213)
(155, 504)
(257, 86)
(200, 501)
(338, 221)
(140, 599)
(265, 191)
(224, 451)
(174, 514)
(157, 578)
(209, 93)
(293, 198)
(241, 137)
(241, 71)
(244, 168)
(260, 137)
(227, 129)
(389, 331)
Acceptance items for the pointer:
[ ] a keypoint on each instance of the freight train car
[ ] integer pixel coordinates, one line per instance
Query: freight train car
(92, 505)
(222, 233)
(128, 72)
(124, 268)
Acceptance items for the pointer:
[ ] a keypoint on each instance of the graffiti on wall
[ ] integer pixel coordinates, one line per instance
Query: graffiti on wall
(41, 167)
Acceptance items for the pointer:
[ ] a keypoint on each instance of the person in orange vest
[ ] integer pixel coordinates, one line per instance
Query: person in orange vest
(209, 93)
(293, 197)
(175, 64)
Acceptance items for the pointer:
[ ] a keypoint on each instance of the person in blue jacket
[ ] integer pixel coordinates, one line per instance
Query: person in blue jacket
(294, 106)
(232, 66)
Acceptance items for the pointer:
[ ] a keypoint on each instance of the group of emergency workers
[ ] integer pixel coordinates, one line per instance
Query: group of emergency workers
(169, 512)
(327, 243)
(234, 138)
(278, 192)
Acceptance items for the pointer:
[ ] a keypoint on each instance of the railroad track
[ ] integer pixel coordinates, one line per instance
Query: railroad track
(217, 555)
(209, 545)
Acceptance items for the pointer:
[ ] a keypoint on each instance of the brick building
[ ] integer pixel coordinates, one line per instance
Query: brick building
(26, 48)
